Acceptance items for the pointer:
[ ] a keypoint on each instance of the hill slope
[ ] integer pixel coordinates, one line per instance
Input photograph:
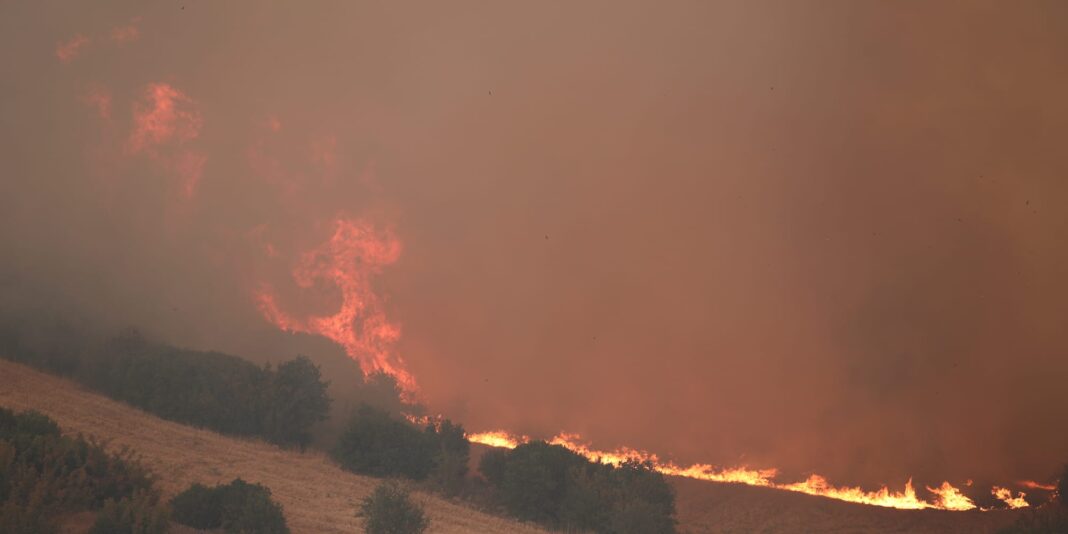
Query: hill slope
(316, 494)
(320, 497)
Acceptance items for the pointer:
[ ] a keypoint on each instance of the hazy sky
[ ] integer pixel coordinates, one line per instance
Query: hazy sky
(824, 236)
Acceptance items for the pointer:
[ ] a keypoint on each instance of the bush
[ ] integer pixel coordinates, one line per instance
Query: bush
(556, 487)
(234, 507)
(377, 444)
(297, 400)
(390, 510)
(140, 514)
(43, 472)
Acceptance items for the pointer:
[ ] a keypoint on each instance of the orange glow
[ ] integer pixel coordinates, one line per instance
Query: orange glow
(126, 34)
(165, 114)
(354, 254)
(947, 497)
(1037, 485)
(71, 48)
(1005, 495)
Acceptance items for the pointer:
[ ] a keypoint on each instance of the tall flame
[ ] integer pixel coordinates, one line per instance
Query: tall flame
(947, 497)
(354, 254)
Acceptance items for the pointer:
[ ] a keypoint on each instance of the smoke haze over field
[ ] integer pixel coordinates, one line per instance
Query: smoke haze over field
(825, 237)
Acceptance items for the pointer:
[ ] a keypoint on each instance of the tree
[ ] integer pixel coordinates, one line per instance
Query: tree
(376, 444)
(451, 457)
(234, 507)
(532, 483)
(554, 486)
(390, 510)
(297, 400)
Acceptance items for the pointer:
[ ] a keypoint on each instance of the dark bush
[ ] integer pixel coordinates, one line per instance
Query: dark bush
(558, 488)
(237, 507)
(390, 510)
(43, 472)
(140, 514)
(297, 400)
(198, 506)
(452, 452)
(375, 443)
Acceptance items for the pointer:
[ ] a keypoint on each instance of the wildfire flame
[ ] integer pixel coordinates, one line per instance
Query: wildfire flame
(947, 497)
(354, 254)
(1037, 485)
(1005, 495)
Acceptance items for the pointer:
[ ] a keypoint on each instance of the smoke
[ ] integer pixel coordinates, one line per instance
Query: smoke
(819, 238)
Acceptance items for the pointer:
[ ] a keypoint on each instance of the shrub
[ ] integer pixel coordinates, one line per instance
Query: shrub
(198, 506)
(43, 472)
(554, 486)
(234, 507)
(452, 452)
(376, 444)
(390, 510)
(298, 400)
(140, 514)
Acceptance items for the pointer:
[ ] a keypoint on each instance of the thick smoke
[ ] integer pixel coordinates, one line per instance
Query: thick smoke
(826, 238)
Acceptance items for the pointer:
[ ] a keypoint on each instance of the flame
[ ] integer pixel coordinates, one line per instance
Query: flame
(950, 498)
(497, 438)
(1037, 485)
(947, 496)
(354, 254)
(1005, 495)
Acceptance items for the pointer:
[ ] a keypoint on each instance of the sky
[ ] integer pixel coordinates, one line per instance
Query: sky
(826, 237)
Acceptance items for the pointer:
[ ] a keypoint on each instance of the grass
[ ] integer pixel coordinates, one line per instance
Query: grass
(317, 496)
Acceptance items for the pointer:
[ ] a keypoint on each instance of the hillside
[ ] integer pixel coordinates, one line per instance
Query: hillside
(320, 497)
(316, 494)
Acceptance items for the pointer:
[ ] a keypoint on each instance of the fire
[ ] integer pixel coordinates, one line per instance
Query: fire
(1037, 485)
(947, 497)
(1005, 495)
(354, 254)
(497, 438)
(950, 498)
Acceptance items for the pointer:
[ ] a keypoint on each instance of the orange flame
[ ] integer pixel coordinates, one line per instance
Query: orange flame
(1037, 485)
(947, 496)
(353, 255)
(1005, 495)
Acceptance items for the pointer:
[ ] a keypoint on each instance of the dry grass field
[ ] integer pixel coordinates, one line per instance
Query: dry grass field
(316, 494)
(320, 497)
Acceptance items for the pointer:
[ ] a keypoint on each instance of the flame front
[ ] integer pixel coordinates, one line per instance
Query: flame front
(947, 497)
(355, 252)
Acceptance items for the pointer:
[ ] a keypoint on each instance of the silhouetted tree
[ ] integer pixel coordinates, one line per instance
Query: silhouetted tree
(377, 444)
(296, 401)
(390, 510)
